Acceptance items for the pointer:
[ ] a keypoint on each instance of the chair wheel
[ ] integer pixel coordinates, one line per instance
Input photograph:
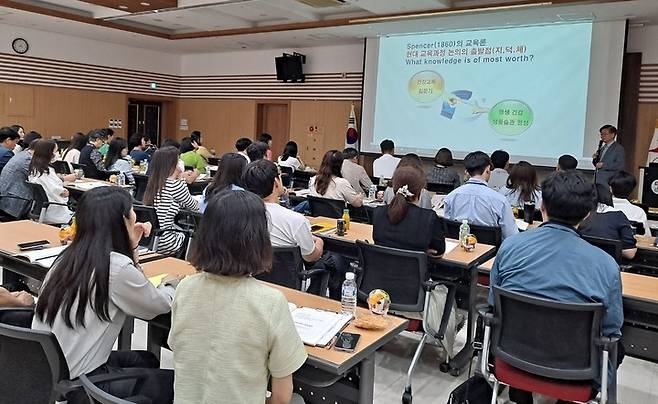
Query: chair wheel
(455, 372)
(406, 397)
(444, 367)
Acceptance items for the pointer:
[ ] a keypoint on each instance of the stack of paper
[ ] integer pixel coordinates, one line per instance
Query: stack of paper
(450, 245)
(318, 327)
(87, 185)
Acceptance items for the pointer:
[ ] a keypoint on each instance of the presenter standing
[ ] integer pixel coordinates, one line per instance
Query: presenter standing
(609, 158)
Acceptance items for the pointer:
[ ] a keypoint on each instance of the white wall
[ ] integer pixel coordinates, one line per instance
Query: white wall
(70, 48)
(323, 59)
(644, 40)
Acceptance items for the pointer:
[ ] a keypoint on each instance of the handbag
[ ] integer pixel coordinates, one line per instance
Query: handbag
(475, 390)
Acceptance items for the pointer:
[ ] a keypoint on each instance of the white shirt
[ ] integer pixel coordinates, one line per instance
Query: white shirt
(244, 154)
(54, 187)
(292, 162)
(339, 189)
(498, 178)
(633, 213)
(72, 156)
(384, 166)
(289, 228)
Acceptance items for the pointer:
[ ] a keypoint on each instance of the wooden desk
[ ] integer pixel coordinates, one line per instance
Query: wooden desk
(75, 186)
(332, 362)
(24, 231)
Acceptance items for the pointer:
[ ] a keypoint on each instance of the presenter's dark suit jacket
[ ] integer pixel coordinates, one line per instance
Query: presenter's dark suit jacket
(613, 160)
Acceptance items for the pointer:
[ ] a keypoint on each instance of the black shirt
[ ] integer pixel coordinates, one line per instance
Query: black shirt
(419, 230)
(611, 225)
(90, 169)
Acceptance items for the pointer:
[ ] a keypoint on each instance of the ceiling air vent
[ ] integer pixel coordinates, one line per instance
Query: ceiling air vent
(322, 3)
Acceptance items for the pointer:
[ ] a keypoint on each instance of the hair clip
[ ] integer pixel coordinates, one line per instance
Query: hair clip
(404, 191)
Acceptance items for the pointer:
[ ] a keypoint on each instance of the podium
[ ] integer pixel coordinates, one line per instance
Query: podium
(648, 185)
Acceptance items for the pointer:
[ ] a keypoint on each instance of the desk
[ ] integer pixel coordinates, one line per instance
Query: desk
(324, 367)
(646, 258)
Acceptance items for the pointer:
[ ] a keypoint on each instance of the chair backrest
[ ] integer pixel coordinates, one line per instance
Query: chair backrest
(287, 267)
(400, 273)
(61, 167)
(141, 181)
(638, 227)
(491, 235)
(547, 338)
(40, 201)
(332, 208)
(17, 316)
(77, 166)
(286, 170)
(612, 247)
(441, 189)
(32, 365)
(147, 214)
(213, 161)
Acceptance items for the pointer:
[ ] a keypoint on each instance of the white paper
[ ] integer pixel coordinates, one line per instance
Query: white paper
(522, 225)
(45, 257)
(89, 185)
(317, 327)
(450, 245)
(302, 192)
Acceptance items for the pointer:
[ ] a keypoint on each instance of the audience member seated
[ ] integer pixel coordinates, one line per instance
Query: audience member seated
(384, 166)
(40, 172)
(93, 286)
(566, 162)
(229, 176)
(328, 183)
(354, 173)
(621, 185)
(605, 221)
(411, 160)
(290, 158)
(15, 299)
(200, 149)
(267, 139)
(190, 157)
(168, 194)
(499, 174)
(257, 151)
(13, 182)
(232, 335)
(442, 173)
(20, 145)
(116, 159)
(91, 157)
(72, 153)
(107, 139)
(8, 139)
(476, 202)
(522, 186)
(189, 176)
(554, 262)
(138, 144)
(241, 147)
(403, 224)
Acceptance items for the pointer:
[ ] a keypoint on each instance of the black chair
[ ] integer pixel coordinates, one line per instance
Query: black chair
(440, 189)
(548, 347)
(17, 316)
(403, 274)
(213, 161)
(77, 166)
(332, 208)
(638, 227)
(40, 202)
(301, 178)
(98, 396)
(141, 181)
(288, 270)
(148, 214)
(612, 247)
(491, 235)
(6, 217)
(61, 167)
(287, 176)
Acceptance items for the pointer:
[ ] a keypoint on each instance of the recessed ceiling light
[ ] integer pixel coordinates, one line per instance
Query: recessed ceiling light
(144, 3)
(157, 19)
(123, 7)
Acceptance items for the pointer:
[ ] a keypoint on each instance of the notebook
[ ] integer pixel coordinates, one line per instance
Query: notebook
(317, 327)
(90, 185)
(45, 257)
(322, 227)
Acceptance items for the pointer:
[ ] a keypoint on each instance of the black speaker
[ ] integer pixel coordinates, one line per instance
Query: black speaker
(289, 67)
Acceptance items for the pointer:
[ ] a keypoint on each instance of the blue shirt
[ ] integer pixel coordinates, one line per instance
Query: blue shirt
(481, 205)
(203, 203)
(139, 155)
(5, 156)
(554, 262)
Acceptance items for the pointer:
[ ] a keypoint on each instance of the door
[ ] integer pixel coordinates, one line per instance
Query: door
(145, 117)
(274, 118)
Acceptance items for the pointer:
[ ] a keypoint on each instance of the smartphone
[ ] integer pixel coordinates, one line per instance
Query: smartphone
(33, 245)
(347, 341)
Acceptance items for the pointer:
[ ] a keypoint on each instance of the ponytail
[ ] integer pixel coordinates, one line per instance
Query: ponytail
(397, 209)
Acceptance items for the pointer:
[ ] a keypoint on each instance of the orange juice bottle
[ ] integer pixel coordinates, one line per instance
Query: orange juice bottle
(346, 218)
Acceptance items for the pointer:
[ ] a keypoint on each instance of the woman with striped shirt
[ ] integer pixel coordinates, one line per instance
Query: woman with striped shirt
(168, 194)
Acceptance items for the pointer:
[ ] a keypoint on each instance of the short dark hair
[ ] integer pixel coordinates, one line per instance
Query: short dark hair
(622, 183)
(387, 146)
(229, 173)
(8, 133)
(136, 140)
(259, 176)
(109, 132)
(567, 162)
(603, 195)
(476, 163)
(95, 134)
(264, 137)
(444, 157)
(231, 221)
(170, 142)
(257, 151)
(29, 139)
(567, 196)
(196, 137)
(499, 159)
(610, 129)
(242, 144)
(350, 152)
(186, 145)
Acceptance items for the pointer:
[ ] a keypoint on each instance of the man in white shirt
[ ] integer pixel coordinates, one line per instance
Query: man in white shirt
(499, 174)
(384, 166)
(353, 172)
(622, 184)
(241, 147)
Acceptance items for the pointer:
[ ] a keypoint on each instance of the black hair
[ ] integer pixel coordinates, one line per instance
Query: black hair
(233, 222)
(81, 273)
(95, 134)
(171, 142)
(42, 156)
(114, 151)
(387, 146)
(17, 128)
(257, 151)
(31, 137)
(476, 163)
(136, 140)
(567, 196)
(411, 176)
(499, 159)
(242, 144)
(162, 165)
(265, 137)
(229, 172)
(186, 145)
(289, 151)
(603, 195)
(109, 132)
(622, 183)
(331, 166)
(610, 129)
(8, 133)
(196, 137)
(444, 157)
(259, 177)
(567, 162)
(350, 152)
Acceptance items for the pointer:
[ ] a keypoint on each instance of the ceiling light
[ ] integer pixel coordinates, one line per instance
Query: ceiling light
(144, 3)
(123, 7)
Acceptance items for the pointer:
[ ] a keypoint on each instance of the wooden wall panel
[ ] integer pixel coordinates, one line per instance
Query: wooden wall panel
(646, 123)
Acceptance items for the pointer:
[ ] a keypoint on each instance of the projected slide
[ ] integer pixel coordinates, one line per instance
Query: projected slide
(521, 89)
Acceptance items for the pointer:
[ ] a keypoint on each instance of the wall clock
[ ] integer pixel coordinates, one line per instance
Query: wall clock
(20, 45)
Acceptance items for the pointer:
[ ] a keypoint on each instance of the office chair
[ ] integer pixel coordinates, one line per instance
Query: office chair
(547, 347)
(98, 396)
(141, 181)
(611, 247)
(491, 235)
(638, 227)
(287, 176)
(213, 161)
(440, 189)
(40, 202)
(288, 270)
(148, 214)
(61, 167)
(332, 208)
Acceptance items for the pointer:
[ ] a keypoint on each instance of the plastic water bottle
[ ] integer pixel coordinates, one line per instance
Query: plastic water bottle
(348, 296)
(372, 192)
(122, 179)
(464, 231)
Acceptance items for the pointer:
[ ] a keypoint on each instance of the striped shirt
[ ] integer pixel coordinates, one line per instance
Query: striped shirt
(168, 202)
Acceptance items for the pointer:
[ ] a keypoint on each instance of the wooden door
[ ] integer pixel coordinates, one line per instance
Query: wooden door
(274, 118)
